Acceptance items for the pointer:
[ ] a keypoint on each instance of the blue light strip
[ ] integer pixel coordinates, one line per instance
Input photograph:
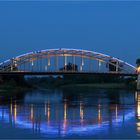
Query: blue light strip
(53, 131)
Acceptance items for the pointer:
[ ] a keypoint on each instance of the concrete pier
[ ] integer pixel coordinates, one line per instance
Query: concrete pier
(138, 82)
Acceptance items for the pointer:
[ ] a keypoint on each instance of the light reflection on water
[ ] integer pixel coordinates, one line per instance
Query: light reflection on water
(92, 114)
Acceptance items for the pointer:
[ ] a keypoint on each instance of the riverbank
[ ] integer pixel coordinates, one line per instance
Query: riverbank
(22, 85)
(6, 90)
(82, 81)
(100, 85)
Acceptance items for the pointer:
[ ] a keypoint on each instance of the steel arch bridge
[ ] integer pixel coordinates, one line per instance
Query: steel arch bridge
(58, 60)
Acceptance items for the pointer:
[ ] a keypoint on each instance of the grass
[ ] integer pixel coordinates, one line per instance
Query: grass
(101, 85)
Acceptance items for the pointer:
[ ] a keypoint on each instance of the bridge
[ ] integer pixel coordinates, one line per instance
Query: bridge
(66, 61)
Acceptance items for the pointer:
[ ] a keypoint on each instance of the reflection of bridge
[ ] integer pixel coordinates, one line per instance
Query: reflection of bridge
(55, 118)
(57, 113)
(64, 128)
(55, 61)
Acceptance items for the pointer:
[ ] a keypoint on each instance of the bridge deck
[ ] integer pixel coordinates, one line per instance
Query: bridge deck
(68, 73)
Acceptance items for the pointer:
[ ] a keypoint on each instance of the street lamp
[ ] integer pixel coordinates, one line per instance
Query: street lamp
(138, 69)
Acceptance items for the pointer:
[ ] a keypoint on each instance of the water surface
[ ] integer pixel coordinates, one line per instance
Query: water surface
(71, 113)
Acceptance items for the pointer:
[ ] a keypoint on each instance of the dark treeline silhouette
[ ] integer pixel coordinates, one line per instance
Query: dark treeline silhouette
(59, 81)
(69, 67)
(138, 62)
(14, 81)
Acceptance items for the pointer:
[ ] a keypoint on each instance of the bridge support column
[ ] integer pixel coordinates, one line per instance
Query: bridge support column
(138, 82)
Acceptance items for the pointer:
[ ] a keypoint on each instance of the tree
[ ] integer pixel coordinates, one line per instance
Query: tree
(69, 67)
(138, 62)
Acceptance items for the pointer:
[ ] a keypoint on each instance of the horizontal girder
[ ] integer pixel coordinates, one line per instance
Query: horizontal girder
(69, 73)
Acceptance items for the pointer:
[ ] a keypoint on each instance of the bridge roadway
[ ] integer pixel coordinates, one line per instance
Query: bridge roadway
(67, 73)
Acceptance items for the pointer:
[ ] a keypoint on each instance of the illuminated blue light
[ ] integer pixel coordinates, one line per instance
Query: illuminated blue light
(48, 129)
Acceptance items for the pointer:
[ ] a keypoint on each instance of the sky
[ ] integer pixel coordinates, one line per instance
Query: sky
(107, 27)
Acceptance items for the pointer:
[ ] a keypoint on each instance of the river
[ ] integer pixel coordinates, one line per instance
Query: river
(71, 113)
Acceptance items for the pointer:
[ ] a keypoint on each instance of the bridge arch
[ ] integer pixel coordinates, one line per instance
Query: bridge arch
(13, 63)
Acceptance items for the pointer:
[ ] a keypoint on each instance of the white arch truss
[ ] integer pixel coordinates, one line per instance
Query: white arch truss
(31, 56)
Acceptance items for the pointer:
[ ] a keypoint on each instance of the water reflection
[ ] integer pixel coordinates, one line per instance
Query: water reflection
(116, 112)
(99, 114)
(15, 111)
(94, 114)
(137, 97)
(81, 112)
(65, 116)
(48, 112)
(32, 113)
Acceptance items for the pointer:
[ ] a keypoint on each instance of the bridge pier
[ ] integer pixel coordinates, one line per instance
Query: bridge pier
(138, 82)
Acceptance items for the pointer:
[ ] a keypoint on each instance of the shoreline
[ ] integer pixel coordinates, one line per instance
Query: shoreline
(99, 85)
(5, 89)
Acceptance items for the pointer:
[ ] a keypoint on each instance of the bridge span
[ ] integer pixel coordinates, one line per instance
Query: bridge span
(69, 73)
(64, 61)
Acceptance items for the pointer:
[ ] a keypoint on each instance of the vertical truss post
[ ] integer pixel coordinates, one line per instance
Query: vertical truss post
(82, 62)
(56, 63)
(23, 66)
(90, 65)
(29, 65)
(37, 64)
(14, 65)
(46, 65)
(63, 63)
(11, 64)
(117, 66)
(40, 64)
(32, 64)
(11, 68)
(49, 63)
(73, 57)
(65, 57)
(99, 65)
(19, 67)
